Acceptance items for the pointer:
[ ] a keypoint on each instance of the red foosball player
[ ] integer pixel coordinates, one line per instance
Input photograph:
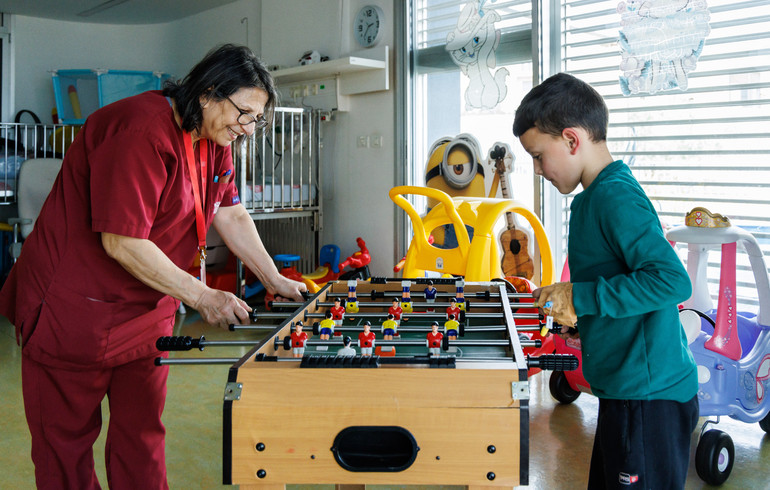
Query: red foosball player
(298, 339)
(389, 328)
(326, 326)
(338, 312)
(434, 340)
(430, 295)
(452, 309)
(366, 340)
(451, 327)
(395, 310)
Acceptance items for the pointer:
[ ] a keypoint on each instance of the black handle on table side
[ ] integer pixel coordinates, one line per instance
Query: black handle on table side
(179, 343)
(554, 362)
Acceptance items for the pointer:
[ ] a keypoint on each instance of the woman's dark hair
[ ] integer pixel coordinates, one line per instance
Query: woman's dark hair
(562, 101)
(222, 72)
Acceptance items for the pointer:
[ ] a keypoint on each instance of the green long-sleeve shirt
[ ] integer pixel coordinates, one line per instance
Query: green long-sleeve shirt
(627, 283)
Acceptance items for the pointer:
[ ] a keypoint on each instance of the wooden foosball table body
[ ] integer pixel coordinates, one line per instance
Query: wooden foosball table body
(460, 418)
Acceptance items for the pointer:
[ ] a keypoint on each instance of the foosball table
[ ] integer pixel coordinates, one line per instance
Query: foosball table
(453, 415)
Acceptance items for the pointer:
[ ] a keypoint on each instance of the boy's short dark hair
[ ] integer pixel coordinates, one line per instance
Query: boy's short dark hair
(562, 101)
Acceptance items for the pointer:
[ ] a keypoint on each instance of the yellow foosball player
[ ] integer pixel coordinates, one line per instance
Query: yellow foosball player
(389, 328)
(326, 326)
(451, 327)
(460, 294)
(406, 297)
(351, 306)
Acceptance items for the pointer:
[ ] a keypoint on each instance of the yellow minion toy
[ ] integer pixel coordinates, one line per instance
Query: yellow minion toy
(454, 167)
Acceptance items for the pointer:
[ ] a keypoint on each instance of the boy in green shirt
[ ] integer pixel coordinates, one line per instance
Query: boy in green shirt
(626, 283)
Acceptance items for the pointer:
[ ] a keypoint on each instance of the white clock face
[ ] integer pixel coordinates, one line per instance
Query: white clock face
(367, 26)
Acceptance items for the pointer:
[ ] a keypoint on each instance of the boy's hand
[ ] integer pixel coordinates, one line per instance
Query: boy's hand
(560, 297)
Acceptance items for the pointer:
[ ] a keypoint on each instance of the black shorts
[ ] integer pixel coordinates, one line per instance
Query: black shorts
(642, 444)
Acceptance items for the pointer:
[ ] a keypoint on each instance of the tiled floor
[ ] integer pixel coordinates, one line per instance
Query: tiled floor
(561, 436)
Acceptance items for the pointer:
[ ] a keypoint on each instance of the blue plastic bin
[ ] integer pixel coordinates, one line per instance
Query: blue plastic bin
(92, 89)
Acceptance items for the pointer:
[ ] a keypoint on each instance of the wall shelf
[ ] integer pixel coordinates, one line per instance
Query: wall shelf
(362, 72)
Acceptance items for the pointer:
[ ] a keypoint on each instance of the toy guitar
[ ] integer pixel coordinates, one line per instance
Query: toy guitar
(516, 260)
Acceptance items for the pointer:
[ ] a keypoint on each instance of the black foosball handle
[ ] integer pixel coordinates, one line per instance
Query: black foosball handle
(178, 343)
(554, 362)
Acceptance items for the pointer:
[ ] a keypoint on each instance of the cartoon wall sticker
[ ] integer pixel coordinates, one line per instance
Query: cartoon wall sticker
(472, 47)
(660, 43)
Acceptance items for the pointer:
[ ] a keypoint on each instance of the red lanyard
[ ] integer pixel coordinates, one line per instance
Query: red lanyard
(200, 222)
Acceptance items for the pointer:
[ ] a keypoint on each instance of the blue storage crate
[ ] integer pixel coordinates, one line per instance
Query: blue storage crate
(79, 93)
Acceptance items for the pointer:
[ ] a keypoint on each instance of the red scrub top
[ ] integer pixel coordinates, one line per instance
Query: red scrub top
(126, 174)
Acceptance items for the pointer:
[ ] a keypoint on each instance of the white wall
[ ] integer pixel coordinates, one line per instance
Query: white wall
(192, 37)
(41, 45)
(356, 181)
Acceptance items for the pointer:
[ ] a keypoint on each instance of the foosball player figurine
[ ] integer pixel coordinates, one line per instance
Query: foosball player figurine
(298, 339)
(406, 298)
(366, 340)
(351, 305)
(452, 309)
(389, 328)
(451, 327)
(430, 296)
(460, 294)
(434, 340)
(395, 310)
(346, 349)
(327, 326)
(338, 312)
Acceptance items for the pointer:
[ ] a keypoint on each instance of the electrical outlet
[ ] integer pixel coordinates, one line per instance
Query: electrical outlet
(363, 142)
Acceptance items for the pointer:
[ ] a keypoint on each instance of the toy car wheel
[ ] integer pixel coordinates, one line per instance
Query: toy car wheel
(765, 423)
(714, 457)
(560, 388)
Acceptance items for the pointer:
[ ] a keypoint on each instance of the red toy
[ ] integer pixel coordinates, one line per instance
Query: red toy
(329, 270)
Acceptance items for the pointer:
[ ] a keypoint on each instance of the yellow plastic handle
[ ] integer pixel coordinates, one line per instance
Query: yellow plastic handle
(461, 231)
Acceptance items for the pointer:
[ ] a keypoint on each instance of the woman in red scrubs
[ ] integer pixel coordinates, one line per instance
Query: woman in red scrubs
(101, 275)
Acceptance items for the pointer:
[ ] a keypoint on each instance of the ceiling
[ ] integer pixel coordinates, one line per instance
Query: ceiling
(110, 11)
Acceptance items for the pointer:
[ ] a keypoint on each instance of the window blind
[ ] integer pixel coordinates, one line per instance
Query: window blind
(706, 146)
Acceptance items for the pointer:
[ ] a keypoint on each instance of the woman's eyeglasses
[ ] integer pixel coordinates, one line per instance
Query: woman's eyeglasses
(244, 118)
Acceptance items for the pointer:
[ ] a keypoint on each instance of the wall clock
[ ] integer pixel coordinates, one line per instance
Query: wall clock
(368, 25)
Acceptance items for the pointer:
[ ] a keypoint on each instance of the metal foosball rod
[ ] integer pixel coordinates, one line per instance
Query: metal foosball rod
(553, 362)
(326, 304)
(485, 296)
(402, 328)
(187, 343)
(427, 314)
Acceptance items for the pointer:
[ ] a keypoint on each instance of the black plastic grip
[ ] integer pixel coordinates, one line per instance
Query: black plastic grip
(178, 343)
(554, 362)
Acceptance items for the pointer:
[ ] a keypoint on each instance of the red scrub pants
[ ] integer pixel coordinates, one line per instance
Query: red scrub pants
(63, 410)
